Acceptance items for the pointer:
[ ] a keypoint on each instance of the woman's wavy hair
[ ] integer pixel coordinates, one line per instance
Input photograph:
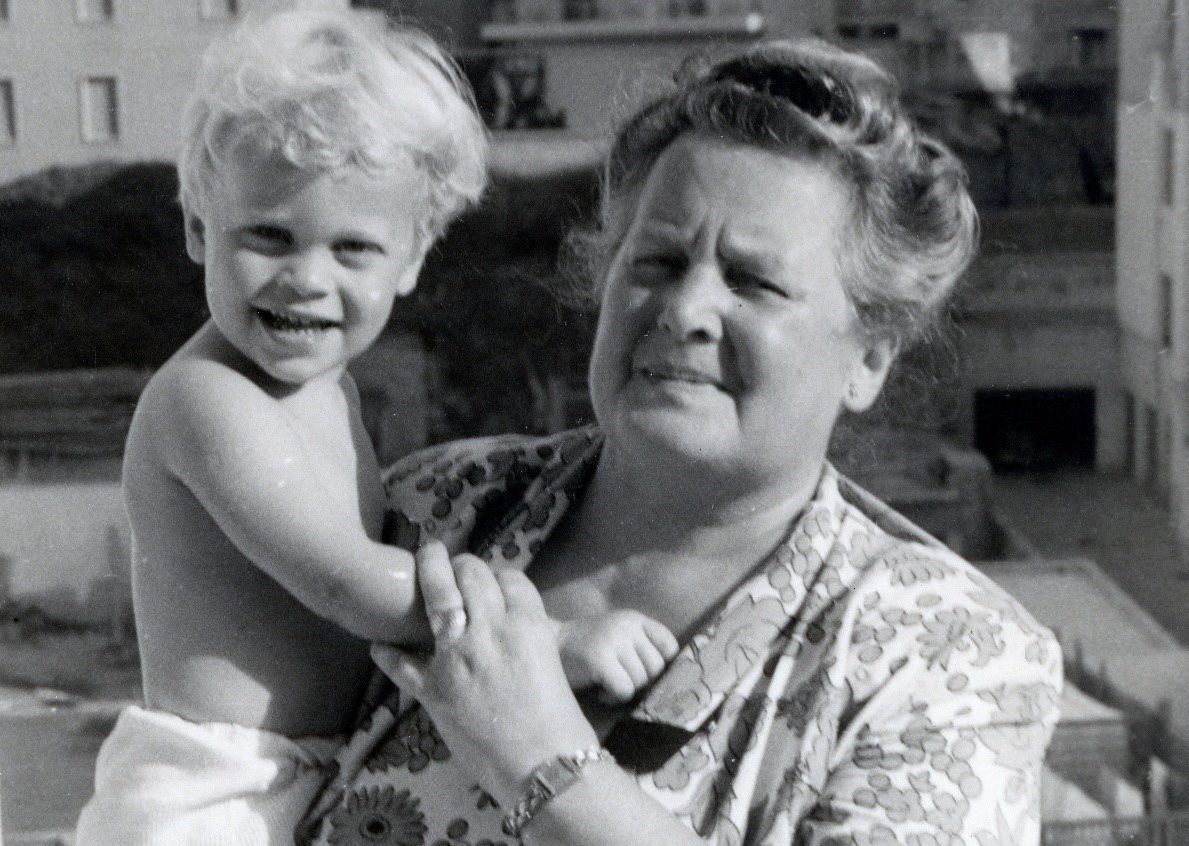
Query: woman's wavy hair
(914, 227)
(329, 90)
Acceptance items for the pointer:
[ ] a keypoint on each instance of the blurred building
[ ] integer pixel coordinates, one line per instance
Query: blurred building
(992, 44)
(595, 51)
(1040, 384)
(1152, 218)
(86, 80)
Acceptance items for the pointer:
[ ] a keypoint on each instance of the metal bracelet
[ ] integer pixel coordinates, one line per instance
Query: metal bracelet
(547, 781)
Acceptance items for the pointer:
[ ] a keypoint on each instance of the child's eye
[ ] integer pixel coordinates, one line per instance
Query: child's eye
(358, 245)
(271, 240)
(353, 251)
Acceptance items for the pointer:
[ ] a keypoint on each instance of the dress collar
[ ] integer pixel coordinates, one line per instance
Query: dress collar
(746, 630)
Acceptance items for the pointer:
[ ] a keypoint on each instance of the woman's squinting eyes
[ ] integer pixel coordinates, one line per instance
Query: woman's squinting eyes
(747, 282)
(657, 266)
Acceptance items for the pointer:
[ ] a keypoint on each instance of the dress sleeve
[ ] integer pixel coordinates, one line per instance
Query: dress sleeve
(955, 697)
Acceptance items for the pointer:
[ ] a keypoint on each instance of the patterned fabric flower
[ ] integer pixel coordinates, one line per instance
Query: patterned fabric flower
(378, 816)
(414, 743)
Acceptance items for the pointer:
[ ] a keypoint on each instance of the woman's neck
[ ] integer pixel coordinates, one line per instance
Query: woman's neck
(666, 541)
(685, 507)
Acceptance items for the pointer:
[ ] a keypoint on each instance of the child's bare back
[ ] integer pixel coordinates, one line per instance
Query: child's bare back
(222, 639)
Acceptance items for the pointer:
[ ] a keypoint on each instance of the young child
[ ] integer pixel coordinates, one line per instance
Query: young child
(324, 154)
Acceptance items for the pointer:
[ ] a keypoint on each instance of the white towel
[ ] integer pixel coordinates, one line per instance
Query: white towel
(161, 780)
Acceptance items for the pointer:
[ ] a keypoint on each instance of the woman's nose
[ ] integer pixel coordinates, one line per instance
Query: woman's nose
(692, 306)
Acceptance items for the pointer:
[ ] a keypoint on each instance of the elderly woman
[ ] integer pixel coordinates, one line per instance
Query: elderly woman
(773, 231)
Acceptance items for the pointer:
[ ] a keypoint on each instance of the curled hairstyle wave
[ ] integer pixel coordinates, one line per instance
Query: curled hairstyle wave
(913, 228)
(331, 90)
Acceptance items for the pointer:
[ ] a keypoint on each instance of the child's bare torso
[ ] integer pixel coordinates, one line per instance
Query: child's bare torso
(220, 639)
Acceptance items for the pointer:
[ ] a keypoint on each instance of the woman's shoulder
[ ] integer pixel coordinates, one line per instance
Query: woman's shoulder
(937, 604)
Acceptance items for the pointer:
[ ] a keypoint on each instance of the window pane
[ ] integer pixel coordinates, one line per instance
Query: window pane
(218, 9)
(95, 10)
(1166, 311)
(8, 114)
(1090, 47)
(99, 109)
(1168, 156)
(1168, 55)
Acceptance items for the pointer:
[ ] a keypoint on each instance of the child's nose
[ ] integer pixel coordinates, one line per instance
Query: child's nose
(306, 274)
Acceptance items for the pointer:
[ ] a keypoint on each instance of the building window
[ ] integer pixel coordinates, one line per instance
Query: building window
(1090, 47)
(884, 32)
(937, 57)
(8, 114)
(1166, 311)
(99, 113)
(1152, 427)
(3, 11)
(1129, 434)
(1168, 55)
(95, 10)
(213, 10)
(1168, 154)
(850, 31)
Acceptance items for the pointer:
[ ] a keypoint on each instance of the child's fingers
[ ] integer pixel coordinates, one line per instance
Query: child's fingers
(651, 658)
(629, 659)
(617, 684)
(661, 638)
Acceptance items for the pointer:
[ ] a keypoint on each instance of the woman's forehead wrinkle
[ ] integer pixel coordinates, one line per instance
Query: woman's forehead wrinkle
(672, 219)
(757, 248)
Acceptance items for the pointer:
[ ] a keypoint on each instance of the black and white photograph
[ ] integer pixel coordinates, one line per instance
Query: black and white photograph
(594, 422)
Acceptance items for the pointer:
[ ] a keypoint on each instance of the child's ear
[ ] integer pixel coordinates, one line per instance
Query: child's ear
(195, 235)
(412, 270)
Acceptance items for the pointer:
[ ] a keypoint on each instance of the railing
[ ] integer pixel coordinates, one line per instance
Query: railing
(1164, 830)
(71, 412)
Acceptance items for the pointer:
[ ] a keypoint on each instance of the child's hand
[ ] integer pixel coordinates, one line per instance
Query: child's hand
(620, 651)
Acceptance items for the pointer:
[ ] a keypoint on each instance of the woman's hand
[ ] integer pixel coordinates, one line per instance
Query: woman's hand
(494, 685)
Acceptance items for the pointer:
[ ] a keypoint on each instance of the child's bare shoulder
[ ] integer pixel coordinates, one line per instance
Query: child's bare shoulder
(197, 400)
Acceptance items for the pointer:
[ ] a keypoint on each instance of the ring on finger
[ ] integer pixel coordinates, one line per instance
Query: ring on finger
(448, 623)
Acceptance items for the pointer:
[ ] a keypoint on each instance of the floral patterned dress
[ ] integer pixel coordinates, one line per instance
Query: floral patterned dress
(866, 686)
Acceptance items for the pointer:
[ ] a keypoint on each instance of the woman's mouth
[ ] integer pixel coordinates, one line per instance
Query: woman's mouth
(290, 322)
(679, 374)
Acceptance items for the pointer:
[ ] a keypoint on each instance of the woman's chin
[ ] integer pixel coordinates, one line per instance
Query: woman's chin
(671, 430)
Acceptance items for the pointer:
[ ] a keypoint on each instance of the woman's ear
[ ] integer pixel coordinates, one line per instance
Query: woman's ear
(869, 374)
(195, 235)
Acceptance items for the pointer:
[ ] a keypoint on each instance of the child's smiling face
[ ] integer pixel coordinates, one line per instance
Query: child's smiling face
(302, 269)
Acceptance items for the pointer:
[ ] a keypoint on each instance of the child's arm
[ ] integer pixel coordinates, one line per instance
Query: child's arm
(234, 449)
(618, 651)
